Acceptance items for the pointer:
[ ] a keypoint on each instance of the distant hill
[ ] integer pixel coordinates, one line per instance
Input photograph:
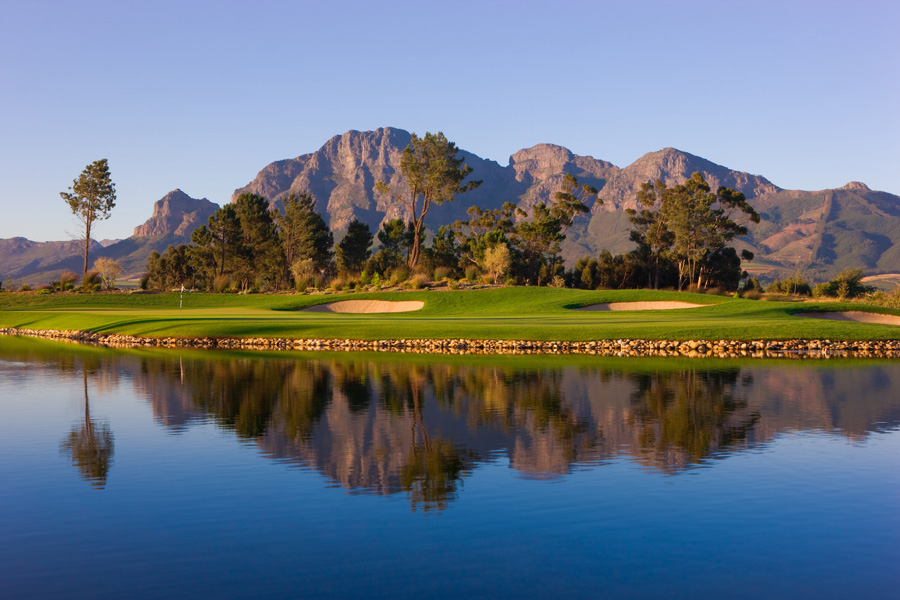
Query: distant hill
(175, 216)
(818, 233)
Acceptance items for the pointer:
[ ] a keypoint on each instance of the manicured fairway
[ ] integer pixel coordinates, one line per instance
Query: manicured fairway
(507, 313)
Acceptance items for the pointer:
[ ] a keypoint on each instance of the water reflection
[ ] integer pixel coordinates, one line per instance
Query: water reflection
(90, 444)
(419, 426)
(684, 417)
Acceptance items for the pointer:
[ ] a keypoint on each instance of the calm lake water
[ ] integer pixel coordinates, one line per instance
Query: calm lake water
(186, 474)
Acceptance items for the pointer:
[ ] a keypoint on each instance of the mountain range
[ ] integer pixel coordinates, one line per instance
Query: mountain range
(818, 233)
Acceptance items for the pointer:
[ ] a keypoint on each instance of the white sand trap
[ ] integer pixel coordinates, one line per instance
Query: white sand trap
(639, 306)
(367, 306)
(853, 315)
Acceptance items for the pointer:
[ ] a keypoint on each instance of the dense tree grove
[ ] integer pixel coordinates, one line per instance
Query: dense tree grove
(682, 238)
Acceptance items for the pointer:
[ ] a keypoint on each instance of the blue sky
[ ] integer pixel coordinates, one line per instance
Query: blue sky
(201, 95)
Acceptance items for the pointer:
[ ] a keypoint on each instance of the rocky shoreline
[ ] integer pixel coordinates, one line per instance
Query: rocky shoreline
(623, 347)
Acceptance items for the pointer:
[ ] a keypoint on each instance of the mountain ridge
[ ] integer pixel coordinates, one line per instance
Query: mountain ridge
(818, 232)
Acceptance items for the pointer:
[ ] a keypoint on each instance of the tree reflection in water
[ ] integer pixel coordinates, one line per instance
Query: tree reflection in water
(420, 428)
(684, 417)
(391, 424)
(90, 444)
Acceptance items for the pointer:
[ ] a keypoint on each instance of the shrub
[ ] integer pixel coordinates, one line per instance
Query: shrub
(442, 273)
(25, 288)
(471, 273)
(303, 269)
(753, 284)
(557, 282)
(145, 281)
(794, 284)
(510, 282)
(454, 285)
(221, 283)
(752, 294)
(399, 275)
(44, 290)
(846, 285)
(91, 279)
(496, 261)
(419, 281)
(109, 270)
(337, 284)
(886, 299)
(67, 278)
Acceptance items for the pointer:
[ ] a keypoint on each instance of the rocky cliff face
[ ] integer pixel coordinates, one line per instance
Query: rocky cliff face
(342, 174)
(799, 230)
(176, 214)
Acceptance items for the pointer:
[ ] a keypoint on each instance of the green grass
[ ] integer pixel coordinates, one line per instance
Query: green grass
(507, 313)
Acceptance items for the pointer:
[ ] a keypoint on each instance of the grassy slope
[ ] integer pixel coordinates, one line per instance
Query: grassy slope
(508, 313)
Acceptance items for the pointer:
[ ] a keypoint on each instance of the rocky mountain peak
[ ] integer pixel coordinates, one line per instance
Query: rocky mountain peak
(544, 161)
(341, 176)
(178, 214)
(856, 186)
(673, 166)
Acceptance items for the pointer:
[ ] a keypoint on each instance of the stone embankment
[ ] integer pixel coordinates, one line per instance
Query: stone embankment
(692, 348)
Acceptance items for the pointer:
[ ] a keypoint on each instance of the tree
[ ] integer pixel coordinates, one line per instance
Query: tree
(303, 233)
(569, 200)
(109, 270)
(434, 175)
(484, 229)
(92, 198)
(172, 269)
(538, 239)
(496, 261)
(224, 238)
(353, 251)
(650, 233)
(698, 225)
(260, 259)
(846, 285)
(394, 236)
(201, 255)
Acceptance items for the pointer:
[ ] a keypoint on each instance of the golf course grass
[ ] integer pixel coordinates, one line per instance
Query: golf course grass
(519, 313)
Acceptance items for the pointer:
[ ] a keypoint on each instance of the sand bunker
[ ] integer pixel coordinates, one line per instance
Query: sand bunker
(853, 315)
(639, 306)
(367, 306)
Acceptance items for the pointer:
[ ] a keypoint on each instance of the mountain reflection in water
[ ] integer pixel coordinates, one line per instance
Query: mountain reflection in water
(388, 424)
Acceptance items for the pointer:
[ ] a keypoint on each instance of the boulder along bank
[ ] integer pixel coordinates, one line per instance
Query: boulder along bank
(622, 347)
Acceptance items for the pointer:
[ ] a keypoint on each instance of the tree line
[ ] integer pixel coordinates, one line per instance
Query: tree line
(682, 236)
